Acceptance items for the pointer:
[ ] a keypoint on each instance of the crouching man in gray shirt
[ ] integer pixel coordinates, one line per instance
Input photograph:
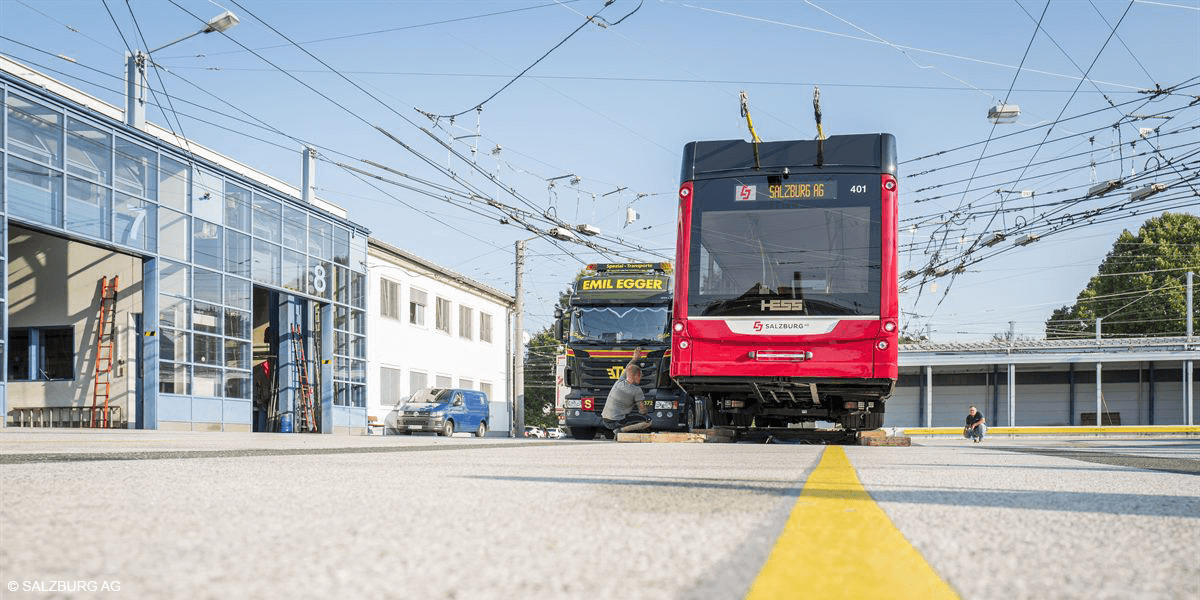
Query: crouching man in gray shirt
(624, 396)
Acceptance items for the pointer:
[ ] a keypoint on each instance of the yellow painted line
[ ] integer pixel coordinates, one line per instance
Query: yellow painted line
(838, 543)
(1059, 430)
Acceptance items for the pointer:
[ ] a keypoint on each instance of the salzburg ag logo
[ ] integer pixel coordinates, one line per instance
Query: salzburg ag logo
(758, 325)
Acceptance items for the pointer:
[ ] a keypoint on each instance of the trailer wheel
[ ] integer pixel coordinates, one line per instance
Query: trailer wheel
(583, 433)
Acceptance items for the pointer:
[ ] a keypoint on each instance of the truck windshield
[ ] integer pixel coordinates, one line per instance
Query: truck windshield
(608, 324)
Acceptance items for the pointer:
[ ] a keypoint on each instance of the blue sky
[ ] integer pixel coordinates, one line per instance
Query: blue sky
(614, 106)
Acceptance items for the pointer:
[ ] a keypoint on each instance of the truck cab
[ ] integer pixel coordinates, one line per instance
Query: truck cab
(613, 309)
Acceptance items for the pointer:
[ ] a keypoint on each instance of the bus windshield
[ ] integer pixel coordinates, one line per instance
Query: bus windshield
(770, 246)
(609, 324)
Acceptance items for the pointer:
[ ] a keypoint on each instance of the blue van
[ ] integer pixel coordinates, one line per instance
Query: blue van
(440, 410)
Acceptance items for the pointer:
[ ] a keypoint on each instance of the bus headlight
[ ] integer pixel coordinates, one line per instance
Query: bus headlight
(882, 345)
(889, 327)
(683, 344)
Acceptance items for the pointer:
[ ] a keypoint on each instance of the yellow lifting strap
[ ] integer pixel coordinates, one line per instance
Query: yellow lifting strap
(749, 121)
(817, 111)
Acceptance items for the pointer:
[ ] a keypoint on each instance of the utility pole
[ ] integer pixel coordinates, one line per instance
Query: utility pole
(1188, 398)
(518, 394)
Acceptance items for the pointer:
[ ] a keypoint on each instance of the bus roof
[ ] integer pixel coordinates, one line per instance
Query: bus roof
(872, 152)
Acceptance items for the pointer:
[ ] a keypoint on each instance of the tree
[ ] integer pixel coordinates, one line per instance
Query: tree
(1140, 289)
(539, 379)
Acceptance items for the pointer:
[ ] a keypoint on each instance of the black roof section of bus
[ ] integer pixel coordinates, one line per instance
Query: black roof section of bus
(871, 152)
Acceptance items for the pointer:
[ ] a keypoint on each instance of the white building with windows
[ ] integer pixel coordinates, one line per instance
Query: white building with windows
(432, 327)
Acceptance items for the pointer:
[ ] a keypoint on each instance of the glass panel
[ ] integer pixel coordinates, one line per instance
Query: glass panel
(358, 346)
(34, 131)
(137, 170)
(173, 378)
(358, 321)
(358, 250)
(294, 275)
(173, 184)
(206, 318)
(318, 278)
(89, 208)
(358, 371)
(341, 318)
(358, 396)
(266, 263)
(173, 345)
(136, 222)
(340, 394)
(173, 278)
(358, 290)
(295, 229)
(89, 151)
(207, 349)
(34, 192)
(237, 253)
(341, 284)
(175, 231)
(237, 207)
(267, 218)
(207, 286)
(174, 312)
(237, 384)
(237, 293)
(321, 239)
(207, 382)
(341, 245)
(207, 239)
(206, 196)
(237, 324)
(341, 343)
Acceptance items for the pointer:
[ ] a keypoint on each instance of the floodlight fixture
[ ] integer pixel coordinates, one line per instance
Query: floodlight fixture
(1003, 114)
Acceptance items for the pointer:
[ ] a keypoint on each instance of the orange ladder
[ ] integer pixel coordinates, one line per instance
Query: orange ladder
(304, 390)
(105, 335)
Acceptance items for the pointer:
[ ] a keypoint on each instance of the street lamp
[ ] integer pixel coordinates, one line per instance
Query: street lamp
(135, 69)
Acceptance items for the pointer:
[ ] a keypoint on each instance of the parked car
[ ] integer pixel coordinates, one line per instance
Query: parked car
(556, 433)
(442, 411)
(534, 431)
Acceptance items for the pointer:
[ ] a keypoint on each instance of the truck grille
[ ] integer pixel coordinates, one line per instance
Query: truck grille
(598, 374)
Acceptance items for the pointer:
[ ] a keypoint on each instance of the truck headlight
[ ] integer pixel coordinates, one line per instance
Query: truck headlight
(664, 405)
(573, 403)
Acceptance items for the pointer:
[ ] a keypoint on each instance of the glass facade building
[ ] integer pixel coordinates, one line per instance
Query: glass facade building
(233, 269)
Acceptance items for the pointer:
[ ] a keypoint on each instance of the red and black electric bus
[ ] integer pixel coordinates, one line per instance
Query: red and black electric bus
(785, 306)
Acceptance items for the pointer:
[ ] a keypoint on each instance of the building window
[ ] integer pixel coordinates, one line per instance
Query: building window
(389, 299)
(465, 383)
(465, 318)
(416, 307)
(41, 354)
(417, 381)
(486, 388)
(444, 381)
(442, 316)
(485, 327)
(390, 386)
